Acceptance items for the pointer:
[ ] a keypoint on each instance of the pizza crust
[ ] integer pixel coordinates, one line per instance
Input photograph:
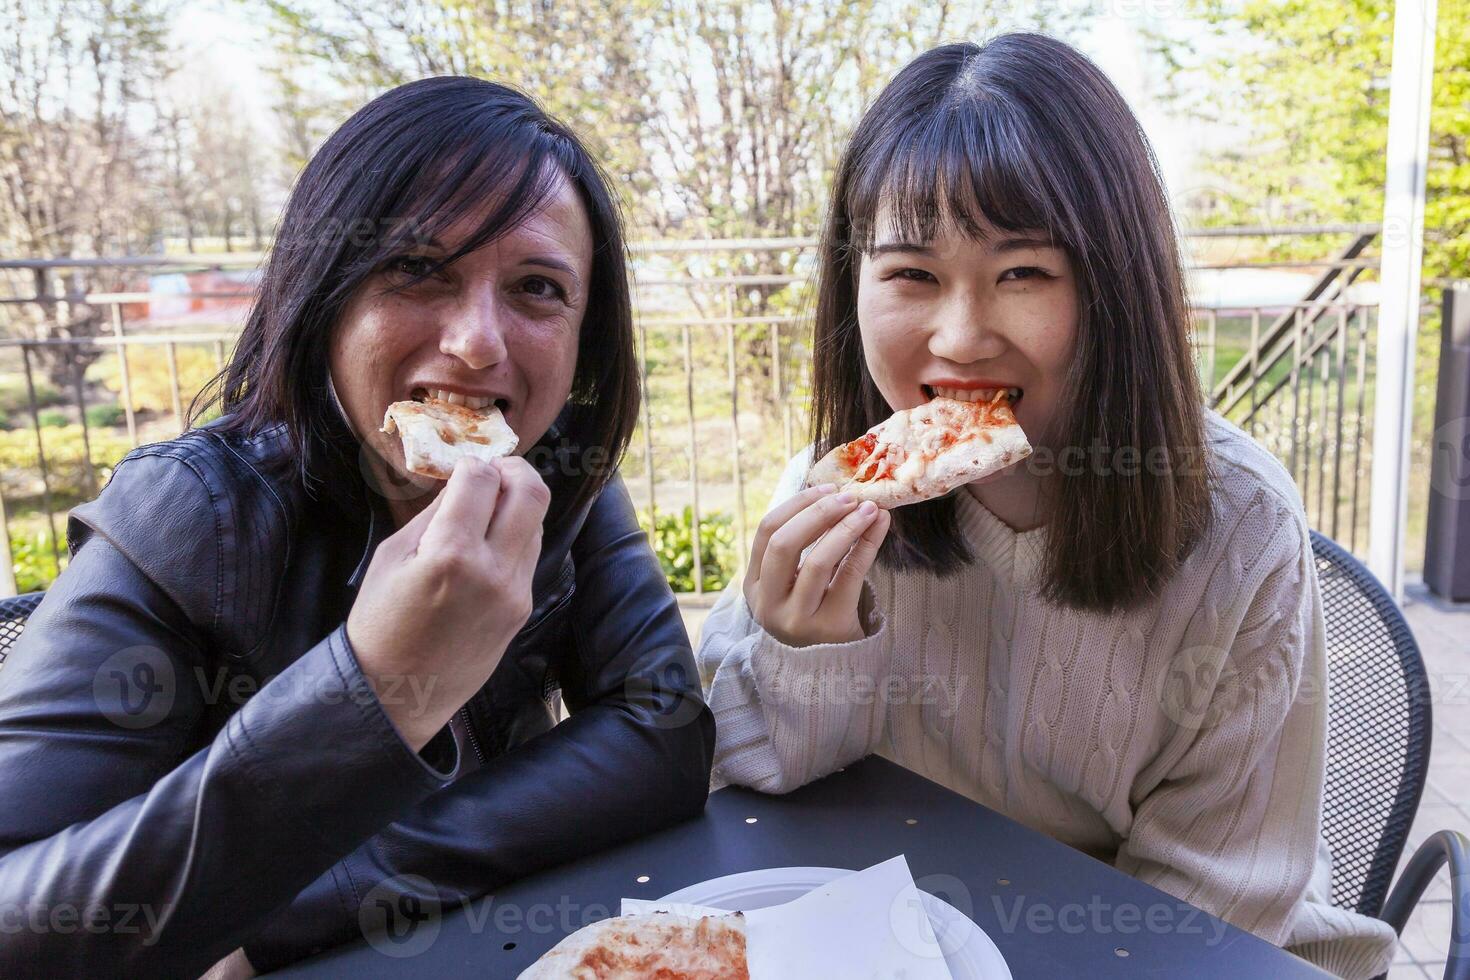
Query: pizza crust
(436, 434)
(925, 452)
(658, 944)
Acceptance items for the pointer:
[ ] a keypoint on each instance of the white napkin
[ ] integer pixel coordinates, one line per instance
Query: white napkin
(869, 925)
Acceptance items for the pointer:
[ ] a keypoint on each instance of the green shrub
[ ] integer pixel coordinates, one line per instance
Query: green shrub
(148, 376)
(672, 539)
(33, 561)
(66, 467)
(13, 400)
(53, 419)
(106, 416)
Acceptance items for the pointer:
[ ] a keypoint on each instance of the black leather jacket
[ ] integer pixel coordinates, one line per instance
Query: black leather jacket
(191, 760)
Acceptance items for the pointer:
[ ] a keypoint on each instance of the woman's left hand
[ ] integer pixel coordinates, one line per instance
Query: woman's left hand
(232, 967)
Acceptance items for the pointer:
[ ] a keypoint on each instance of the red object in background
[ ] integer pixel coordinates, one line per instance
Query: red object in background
(216, 281)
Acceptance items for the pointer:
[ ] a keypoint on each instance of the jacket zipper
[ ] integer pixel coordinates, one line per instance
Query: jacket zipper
(469, 730)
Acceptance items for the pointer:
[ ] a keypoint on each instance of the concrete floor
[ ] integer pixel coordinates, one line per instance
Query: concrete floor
(1443, 632)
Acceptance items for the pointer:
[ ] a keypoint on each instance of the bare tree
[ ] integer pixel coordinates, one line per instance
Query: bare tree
(226, 155)
(76, 78)
(717, 118)
(178, 179)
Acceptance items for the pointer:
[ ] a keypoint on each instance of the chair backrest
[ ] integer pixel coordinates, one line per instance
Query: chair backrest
(1378, 729)
(13, 614)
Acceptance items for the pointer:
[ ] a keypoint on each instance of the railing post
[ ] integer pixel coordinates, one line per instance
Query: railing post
(173, 383)
(7, 559)
(127, 379)
(25, 356)
(647, 431)
(81, 396)
(695, 537)
(1447, 536)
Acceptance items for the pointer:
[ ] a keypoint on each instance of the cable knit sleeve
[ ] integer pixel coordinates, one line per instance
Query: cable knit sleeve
(1232, 822)
(787, 715)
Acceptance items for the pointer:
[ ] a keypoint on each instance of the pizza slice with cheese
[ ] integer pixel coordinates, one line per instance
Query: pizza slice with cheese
(925, 452)
(657, 944)
(436, 433)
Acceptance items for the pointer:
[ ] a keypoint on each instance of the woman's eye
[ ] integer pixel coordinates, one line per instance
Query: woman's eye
(413, 266)
(542, 288)
(913, 275)
(1025, 272)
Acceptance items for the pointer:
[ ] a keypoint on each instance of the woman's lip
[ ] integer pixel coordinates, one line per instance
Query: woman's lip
(969, 385)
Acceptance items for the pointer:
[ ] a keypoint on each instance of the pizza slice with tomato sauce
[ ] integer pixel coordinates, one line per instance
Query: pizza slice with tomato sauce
(656, 945)
(925, 452)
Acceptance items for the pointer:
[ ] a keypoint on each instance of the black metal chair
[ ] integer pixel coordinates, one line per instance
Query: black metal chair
(13, 614)
(1378, 736)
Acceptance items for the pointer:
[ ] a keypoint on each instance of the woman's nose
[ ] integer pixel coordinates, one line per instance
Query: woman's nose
(963, 331)
(475, 334)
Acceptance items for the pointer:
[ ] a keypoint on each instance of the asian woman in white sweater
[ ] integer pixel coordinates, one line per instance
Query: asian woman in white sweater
(1118, 641)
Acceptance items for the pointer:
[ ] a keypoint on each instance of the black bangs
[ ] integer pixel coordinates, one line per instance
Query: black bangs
(962, 160)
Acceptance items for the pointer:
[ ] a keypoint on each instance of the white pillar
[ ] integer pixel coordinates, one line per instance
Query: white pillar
(1403, 253)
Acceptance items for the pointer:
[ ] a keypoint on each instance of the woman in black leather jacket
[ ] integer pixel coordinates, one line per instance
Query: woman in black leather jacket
(280, 674)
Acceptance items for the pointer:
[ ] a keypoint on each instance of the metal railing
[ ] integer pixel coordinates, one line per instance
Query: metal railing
(1302, 357)
(1307, 400)
(724, 357)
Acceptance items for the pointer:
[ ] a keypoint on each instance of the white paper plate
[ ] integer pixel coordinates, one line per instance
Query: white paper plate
(968, 951)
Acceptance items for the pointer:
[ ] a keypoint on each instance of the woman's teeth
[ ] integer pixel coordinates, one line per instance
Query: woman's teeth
(455, 398)
(971, 394)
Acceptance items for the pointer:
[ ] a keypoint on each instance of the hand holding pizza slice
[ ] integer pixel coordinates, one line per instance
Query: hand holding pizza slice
(925, 452)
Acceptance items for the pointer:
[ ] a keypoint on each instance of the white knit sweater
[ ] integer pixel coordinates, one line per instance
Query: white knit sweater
(1181, 741)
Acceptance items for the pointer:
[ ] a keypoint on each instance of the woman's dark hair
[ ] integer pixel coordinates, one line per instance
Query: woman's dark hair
(1024, 133)
(407, 165)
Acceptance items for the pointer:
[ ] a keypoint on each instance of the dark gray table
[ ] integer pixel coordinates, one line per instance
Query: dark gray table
(1052, 911)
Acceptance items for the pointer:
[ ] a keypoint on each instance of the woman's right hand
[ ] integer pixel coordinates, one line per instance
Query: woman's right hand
(446, 593)
(803, 601)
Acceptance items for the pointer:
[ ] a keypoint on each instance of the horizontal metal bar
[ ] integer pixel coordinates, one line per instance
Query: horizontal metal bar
(719, 321)
(149, 297)
(112, 340)
(93, 299)
(1266, 231)
(98, 299)
(1369, 263)
(140, 261)
(720, 245)
(721, 281)
(221, 259)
